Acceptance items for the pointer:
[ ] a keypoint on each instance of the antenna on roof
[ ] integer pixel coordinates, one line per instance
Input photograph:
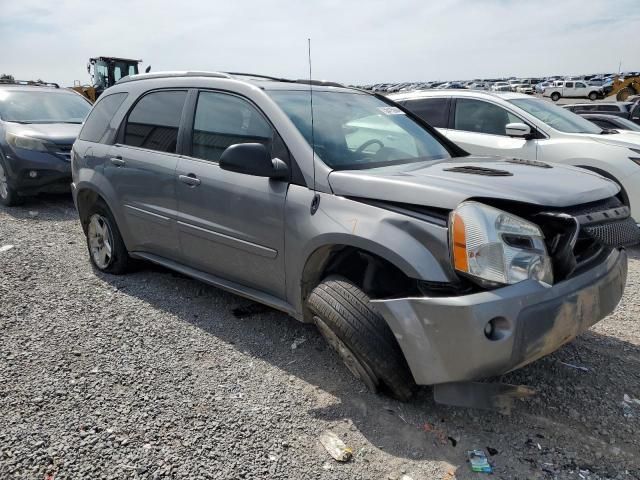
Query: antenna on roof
(315, 203)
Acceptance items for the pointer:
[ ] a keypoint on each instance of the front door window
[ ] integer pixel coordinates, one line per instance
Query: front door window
(482, 117)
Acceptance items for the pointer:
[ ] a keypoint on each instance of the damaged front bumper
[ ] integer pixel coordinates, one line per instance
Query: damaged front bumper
(456, 339)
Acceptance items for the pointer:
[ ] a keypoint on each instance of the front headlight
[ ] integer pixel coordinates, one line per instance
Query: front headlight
(493, 246)
(28, 143)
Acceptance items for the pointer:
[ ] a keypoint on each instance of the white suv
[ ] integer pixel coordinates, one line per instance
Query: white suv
(517, 125)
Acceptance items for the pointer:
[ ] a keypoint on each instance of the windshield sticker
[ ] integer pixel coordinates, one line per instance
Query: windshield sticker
(391, 110)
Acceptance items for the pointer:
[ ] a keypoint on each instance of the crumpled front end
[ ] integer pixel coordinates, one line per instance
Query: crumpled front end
(469, 337)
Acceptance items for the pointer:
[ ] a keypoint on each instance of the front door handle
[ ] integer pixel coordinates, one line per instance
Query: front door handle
(118, 161)
(190, 180)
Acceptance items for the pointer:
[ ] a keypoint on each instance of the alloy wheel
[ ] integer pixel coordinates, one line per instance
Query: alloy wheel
(100, 241)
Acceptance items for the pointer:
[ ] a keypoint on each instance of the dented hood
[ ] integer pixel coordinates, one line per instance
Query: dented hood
(434, 184)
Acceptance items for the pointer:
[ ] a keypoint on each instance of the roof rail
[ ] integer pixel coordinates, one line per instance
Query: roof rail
(256, 75)
(34, 83)
(148, 76)
(288, 80)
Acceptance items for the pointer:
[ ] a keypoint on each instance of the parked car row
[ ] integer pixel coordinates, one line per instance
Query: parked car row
(576, 86)
(611, 122)
(377, 219)
(626, 110)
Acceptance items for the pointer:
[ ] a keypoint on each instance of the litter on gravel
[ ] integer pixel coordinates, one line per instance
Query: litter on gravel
(336, 447)
(627, 399)
(577, 367)
(5, 248)
(478, 461)
(297, 342)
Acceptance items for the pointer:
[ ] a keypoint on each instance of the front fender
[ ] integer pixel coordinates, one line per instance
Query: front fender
(416, 247)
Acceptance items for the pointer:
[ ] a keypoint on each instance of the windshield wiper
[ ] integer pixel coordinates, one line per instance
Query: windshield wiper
(608, 131)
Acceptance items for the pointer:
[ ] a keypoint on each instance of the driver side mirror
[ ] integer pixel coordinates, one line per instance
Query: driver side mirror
(148, 69)
(518, 130)
(253, 159)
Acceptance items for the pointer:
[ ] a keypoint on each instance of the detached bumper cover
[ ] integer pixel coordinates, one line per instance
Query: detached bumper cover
(443, 338)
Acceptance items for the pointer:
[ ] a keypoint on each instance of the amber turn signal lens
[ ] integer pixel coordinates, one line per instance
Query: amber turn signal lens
(459, 242)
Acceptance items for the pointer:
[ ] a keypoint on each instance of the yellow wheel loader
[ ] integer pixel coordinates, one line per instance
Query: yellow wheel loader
(624, 88)
(105, 72)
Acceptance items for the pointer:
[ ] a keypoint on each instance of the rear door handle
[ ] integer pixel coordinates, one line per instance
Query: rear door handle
(190, 180)
(118, 161)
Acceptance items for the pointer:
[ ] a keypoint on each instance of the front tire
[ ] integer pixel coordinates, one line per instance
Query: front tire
(593, 96)
(361, 337)
(8, 195)
(555, 96)
(107, 250)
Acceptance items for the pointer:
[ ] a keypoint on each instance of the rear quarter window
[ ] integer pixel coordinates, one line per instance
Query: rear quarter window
(96, 126)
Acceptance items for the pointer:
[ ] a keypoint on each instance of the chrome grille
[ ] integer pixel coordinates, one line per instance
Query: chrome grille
(62, 151)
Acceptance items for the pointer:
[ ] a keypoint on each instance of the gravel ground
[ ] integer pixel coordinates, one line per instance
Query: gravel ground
(151, 375)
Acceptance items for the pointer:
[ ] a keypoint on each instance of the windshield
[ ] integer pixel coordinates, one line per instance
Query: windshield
(39, 106)
(355, 131)
(559, 118)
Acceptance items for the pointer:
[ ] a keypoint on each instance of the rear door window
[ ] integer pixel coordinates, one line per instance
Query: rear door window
(482, 117)
(222, 120)
(434, 111)
(155, 121)
(96, 127)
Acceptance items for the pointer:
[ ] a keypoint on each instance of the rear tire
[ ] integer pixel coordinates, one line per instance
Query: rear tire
(593, 96)
(348, 322)
(107, 250)
(555, 96)
(8, 195)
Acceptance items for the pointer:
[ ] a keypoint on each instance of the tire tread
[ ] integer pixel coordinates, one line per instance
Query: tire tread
(346, 309)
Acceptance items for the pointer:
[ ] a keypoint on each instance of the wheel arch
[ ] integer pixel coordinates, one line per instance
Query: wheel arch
(368, 267)
(86, 194)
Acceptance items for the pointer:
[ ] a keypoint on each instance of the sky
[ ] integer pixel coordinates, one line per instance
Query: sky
(354, 42)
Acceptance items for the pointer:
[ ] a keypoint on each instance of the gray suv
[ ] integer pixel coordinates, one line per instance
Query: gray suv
(419, 263)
